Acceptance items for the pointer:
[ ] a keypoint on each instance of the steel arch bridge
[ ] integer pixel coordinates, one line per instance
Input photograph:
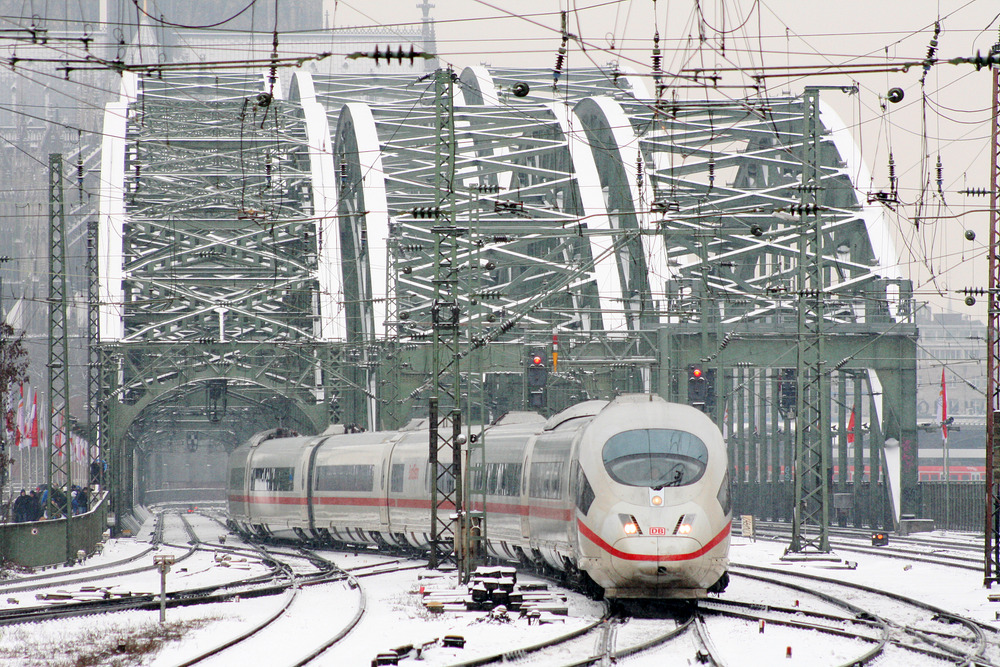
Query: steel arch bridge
(281, 243)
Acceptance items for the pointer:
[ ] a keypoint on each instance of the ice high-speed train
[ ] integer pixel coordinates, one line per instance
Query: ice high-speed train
(632, 493)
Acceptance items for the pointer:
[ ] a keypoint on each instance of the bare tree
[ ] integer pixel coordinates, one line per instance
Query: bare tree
(13, 370)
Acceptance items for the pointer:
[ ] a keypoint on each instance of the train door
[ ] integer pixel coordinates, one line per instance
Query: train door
(383, 504)
(525, 507)
(574, 481)
(391, 469)
(248, 476)
(309, 463)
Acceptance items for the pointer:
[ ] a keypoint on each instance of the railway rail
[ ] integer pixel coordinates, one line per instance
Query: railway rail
(962, 554)
(865, 624)
(904, 624)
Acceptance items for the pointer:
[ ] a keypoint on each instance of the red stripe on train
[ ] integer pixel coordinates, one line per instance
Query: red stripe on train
(554, 513)
(617, 553)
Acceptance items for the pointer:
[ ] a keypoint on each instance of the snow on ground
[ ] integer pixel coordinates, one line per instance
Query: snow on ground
(958, 591)
(396, 616)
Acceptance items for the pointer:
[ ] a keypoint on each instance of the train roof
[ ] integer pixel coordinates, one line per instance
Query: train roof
(518, 417)
(585, 409)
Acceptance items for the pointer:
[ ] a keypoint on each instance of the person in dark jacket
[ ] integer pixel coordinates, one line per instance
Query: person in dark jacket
(21, 507)
(34, 507)
(59, 499)
(83, 499)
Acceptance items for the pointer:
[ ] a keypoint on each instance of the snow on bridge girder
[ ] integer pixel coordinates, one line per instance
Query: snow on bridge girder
(363, 217)
(111, 211)
(324, 193)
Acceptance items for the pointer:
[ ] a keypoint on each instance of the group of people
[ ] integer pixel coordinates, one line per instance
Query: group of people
(28, 507)
(32, 506)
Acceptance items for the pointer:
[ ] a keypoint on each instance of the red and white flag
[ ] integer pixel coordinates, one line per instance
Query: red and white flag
(57, 440)
(18, 439)
(943, 409)
(850, 428)
(32, 421)
(79, 447)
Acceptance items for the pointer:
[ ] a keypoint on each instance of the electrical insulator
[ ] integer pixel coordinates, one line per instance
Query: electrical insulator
(557, 70)
(561, 54)
(657, 59)
(931, 51)
(79, 175)
(892, 174)
(940, 178)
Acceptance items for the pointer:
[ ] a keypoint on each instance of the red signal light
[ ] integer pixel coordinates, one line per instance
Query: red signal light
(696, 372)
(536, 360)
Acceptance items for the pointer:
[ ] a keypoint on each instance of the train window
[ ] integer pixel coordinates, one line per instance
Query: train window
(396, 478)
(584, 492)
(447, 479)
(492, 469)
(510, 479)
(345, 478)
(546, 480)
(724, 496)
(501, 479)
(272, 479)
(236, 478)
(655, 457)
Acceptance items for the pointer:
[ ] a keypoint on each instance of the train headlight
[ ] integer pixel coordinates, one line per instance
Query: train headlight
(684, 524)
(630, 525)
(655, 499)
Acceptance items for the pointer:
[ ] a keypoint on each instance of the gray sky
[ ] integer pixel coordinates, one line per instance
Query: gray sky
(948, 115)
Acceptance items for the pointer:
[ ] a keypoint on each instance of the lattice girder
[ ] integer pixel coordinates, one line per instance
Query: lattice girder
(516, 193)
(219, 241)
(726, 181)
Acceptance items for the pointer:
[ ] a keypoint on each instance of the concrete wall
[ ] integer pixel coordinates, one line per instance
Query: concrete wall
(38, 543)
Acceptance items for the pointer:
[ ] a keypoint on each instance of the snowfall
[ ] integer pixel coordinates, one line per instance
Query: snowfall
(395, 614)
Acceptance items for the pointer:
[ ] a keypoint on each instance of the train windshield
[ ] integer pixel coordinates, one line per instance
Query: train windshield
(655, 457)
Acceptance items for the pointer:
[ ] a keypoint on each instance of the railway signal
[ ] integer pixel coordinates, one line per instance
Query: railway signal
(701, 387)
(787, 391)
(536, 375)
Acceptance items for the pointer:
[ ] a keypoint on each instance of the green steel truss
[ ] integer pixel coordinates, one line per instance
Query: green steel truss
(60, 471)
(289, 246)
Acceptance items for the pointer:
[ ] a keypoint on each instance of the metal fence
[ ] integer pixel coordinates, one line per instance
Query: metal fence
(963, 511)
(965, 508)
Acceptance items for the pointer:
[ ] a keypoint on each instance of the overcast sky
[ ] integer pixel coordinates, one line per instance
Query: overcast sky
(948, 115)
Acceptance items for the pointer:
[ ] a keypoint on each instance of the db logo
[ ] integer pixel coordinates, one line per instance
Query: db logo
(656, 530)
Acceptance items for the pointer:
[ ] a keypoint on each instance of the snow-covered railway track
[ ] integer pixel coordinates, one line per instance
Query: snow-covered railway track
(294, 622)
(65, 577)
(642, 640)
(683, 639)
(125, 585)
(964, 554)
(908, 627)
(553, 651)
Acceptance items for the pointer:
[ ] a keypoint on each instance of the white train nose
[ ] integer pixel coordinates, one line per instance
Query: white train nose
(650, 558)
